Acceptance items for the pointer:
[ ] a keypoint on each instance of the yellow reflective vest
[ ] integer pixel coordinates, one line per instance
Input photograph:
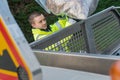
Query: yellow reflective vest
(60, 24)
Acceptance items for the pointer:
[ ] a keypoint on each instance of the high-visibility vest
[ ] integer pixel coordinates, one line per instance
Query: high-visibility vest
(61, 45)
(60, 24)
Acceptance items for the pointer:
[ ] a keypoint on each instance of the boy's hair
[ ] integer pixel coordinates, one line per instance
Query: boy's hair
(32, 16)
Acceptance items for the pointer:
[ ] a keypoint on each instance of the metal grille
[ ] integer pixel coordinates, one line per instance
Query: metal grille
(106, 32)
(70, 39)
(72, 43)
(77, 43)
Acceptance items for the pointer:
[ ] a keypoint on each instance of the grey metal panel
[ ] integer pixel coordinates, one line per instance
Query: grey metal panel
(54, 73)
(89, 28)
(20, 41)
(90, 38)
(91, 63)
(108, 22)
(5, 12)
(42, 3)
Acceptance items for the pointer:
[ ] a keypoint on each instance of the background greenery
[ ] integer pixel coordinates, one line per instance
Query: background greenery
(22, 8)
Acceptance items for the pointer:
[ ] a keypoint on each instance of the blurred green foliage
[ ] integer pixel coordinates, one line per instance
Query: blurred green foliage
(107, 3)
(22, 8)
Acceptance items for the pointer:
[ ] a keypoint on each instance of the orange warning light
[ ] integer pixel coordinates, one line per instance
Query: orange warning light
(115, 71)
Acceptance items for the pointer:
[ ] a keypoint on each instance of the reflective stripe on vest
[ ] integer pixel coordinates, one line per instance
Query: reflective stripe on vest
(71, 21)
(39, 36)
(58, 25)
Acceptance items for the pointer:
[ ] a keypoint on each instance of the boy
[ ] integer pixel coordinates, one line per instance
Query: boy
(40, 27)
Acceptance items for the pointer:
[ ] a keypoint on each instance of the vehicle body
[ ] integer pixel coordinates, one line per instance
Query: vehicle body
(19, 62)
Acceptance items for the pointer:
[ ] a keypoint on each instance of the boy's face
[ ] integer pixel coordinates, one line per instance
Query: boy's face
(40, 22)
